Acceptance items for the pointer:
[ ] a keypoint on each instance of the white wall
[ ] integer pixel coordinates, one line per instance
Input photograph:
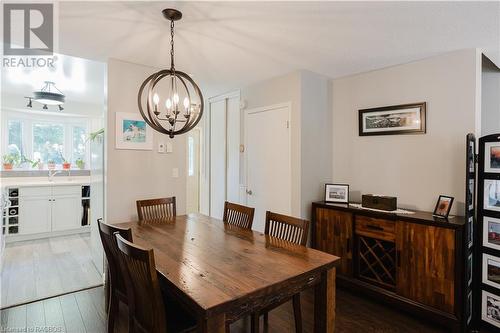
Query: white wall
(414, 168)
(316, 134)
(490, 98)
(132, 174)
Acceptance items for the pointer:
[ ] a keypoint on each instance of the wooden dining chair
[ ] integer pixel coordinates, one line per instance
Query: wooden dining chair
(156, 209)
(238, 215)
(148, 313)
(292, 230)
(116, 284)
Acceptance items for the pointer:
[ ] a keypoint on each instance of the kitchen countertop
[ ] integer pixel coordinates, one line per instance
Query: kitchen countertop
(43, 181)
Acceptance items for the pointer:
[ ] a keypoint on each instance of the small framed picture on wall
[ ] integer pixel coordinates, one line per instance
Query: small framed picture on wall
(490, 308)
(491, 232)
(492, 157)
(132, 132)
(337, 193)
(443, 206)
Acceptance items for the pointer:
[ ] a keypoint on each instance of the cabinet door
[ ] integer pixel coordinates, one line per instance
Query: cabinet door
(66, 213)
(34, 215)
(426, 264)
(334, 235)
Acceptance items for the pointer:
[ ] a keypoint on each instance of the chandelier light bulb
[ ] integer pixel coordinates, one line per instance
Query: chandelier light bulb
(156, 99)
(176, 99)
(168, 104)
(186, 103)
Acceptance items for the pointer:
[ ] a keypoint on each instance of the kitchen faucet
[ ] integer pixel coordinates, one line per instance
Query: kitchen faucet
(52, 173)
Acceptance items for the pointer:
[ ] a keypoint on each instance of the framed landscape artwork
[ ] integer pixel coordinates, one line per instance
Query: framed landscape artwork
(397, 119)
(491, 270)
(491, 232)
(337, 193)
(492, 194)
(132, 132)
(492, 157)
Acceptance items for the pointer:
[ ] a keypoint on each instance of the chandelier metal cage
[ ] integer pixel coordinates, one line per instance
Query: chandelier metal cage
(169, 100)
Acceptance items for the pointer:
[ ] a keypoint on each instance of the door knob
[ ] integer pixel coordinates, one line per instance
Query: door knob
(249, 192)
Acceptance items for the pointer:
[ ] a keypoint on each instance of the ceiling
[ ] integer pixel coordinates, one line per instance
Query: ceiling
(227, 45)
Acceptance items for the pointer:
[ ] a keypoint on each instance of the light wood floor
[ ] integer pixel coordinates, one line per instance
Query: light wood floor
(38, 269)
(84, 312)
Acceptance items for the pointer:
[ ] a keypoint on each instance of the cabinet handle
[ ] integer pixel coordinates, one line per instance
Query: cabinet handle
(374, 227)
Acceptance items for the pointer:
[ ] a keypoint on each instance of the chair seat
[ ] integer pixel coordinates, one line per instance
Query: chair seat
(178, 319)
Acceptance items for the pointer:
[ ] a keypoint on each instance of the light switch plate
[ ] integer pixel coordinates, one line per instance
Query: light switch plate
(170, 147)
(161, 147)
(175, 173)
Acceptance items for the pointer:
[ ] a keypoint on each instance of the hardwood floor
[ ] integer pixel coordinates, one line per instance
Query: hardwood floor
(42, 268)
(84, 312)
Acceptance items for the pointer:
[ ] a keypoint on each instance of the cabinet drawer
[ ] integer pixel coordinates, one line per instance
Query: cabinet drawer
(42, 191)
(375, 228)
(67, 190)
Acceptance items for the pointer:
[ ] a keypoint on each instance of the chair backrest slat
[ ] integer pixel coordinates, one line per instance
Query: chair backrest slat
(147, 310)
(238, 215)
(287, 228)
(156, 209)
(106, 232)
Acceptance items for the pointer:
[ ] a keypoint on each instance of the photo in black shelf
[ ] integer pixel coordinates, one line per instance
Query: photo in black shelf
(490, 308)
(469, 270)
(492, 194)
(470, 155)
(470, 194)
(491, 270)
(491, 232)
(470, 231)
(492, 157)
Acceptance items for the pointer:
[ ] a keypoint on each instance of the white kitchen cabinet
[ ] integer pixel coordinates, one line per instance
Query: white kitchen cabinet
(49, 208)
(66, 213)
(35, 214)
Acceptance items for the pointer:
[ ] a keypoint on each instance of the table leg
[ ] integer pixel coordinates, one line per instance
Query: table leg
(216, 324)
(324, 303)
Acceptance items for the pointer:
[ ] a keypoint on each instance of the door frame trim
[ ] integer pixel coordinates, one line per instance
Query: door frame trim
(272, 107)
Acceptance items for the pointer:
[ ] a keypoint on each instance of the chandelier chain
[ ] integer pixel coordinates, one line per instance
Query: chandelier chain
(172, 67)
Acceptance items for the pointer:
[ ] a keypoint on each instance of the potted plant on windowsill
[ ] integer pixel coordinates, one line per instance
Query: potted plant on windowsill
(51, 165)
(66, 165)
(9, 160)
(80, 163)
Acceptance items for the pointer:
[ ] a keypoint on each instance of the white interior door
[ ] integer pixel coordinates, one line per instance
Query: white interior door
(224, 151)
(217, 157)
(268, 169)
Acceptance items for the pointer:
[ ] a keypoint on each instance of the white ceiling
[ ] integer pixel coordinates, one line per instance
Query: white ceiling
(227, 45)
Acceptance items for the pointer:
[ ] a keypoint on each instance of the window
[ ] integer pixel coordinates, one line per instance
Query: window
(48, 142)
(79, 140)
(45, 138)
(15, 141)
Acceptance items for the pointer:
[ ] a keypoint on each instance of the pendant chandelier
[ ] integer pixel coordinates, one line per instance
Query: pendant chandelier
(48, 95)
(169, 100)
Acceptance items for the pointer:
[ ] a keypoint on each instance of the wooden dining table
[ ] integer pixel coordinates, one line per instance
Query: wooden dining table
(221, 272)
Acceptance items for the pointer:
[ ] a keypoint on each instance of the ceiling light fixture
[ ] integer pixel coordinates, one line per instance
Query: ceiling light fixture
(49, 95)
(169, 100)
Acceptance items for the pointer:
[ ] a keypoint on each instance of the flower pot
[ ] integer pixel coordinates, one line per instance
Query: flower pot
(66, 166)
(7, 166)
(51, 166)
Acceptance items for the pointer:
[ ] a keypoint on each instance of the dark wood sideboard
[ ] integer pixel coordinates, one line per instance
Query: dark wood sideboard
(414, 261)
